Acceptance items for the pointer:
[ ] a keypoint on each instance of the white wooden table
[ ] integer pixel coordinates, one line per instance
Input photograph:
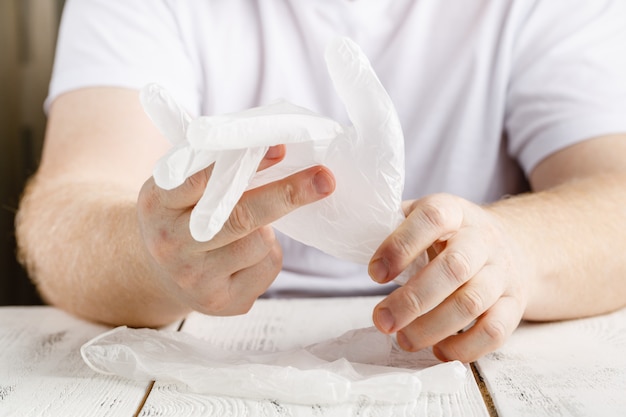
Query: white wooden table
(575, 368)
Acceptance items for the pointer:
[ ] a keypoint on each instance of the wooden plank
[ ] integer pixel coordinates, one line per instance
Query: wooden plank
(570, 368)
(284, 324)
(43, 374)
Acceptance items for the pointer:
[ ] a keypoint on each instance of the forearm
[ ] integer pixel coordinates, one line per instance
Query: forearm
(572, 236)
(81, 245)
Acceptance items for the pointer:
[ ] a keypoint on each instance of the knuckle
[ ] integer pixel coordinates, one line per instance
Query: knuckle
(293, 196)
(433, 213)
(187, 278)
(148, 200)
(469, 304)
(412, 303)
(217, 303)
(197, 181)
(456, 265)
(268, 268)
(401, 247)
(458, 351)
(267, 236)
(164, 248)
(241, 220)
(245, 307)
(496, 332)
(252, 247)
(276, 259)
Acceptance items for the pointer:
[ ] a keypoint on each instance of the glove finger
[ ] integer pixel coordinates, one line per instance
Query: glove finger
(273, 124)
(171, 120)
(180, 163)
(368, 105)
(230, 177)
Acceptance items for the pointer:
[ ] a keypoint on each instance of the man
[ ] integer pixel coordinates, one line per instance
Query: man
(496, 98)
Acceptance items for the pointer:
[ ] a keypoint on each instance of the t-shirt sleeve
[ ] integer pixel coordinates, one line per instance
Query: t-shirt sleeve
(124, 44)
(568, 81)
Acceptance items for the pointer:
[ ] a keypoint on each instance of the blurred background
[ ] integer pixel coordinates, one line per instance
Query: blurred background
(28, 31)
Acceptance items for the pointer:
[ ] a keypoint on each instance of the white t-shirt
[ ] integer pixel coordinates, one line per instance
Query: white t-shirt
(485, 89)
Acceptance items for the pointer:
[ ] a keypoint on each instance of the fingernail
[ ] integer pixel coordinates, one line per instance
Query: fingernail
(404, 341)
(379, 270)
(385, 320)
(439, 354)
(274, 152)
(323, 182)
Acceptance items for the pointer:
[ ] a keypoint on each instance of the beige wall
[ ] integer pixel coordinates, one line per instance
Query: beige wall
(27, 38)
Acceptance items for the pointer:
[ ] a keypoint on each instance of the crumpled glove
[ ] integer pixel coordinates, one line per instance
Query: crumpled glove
(334, 371)
(367, 159)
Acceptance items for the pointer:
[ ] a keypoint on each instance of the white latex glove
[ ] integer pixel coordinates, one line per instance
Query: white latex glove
(367, 159)
(335, 371)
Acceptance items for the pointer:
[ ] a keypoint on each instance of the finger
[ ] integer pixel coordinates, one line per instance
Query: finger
(190, 190)
(488, 333)
(246, 286)
(236, 291)
(238, 255)
(432, 218)
(274, 155)
(465, 255)
(253, 281)
(455, 313)
(266, 204)
(170, 118)
(231, 175)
